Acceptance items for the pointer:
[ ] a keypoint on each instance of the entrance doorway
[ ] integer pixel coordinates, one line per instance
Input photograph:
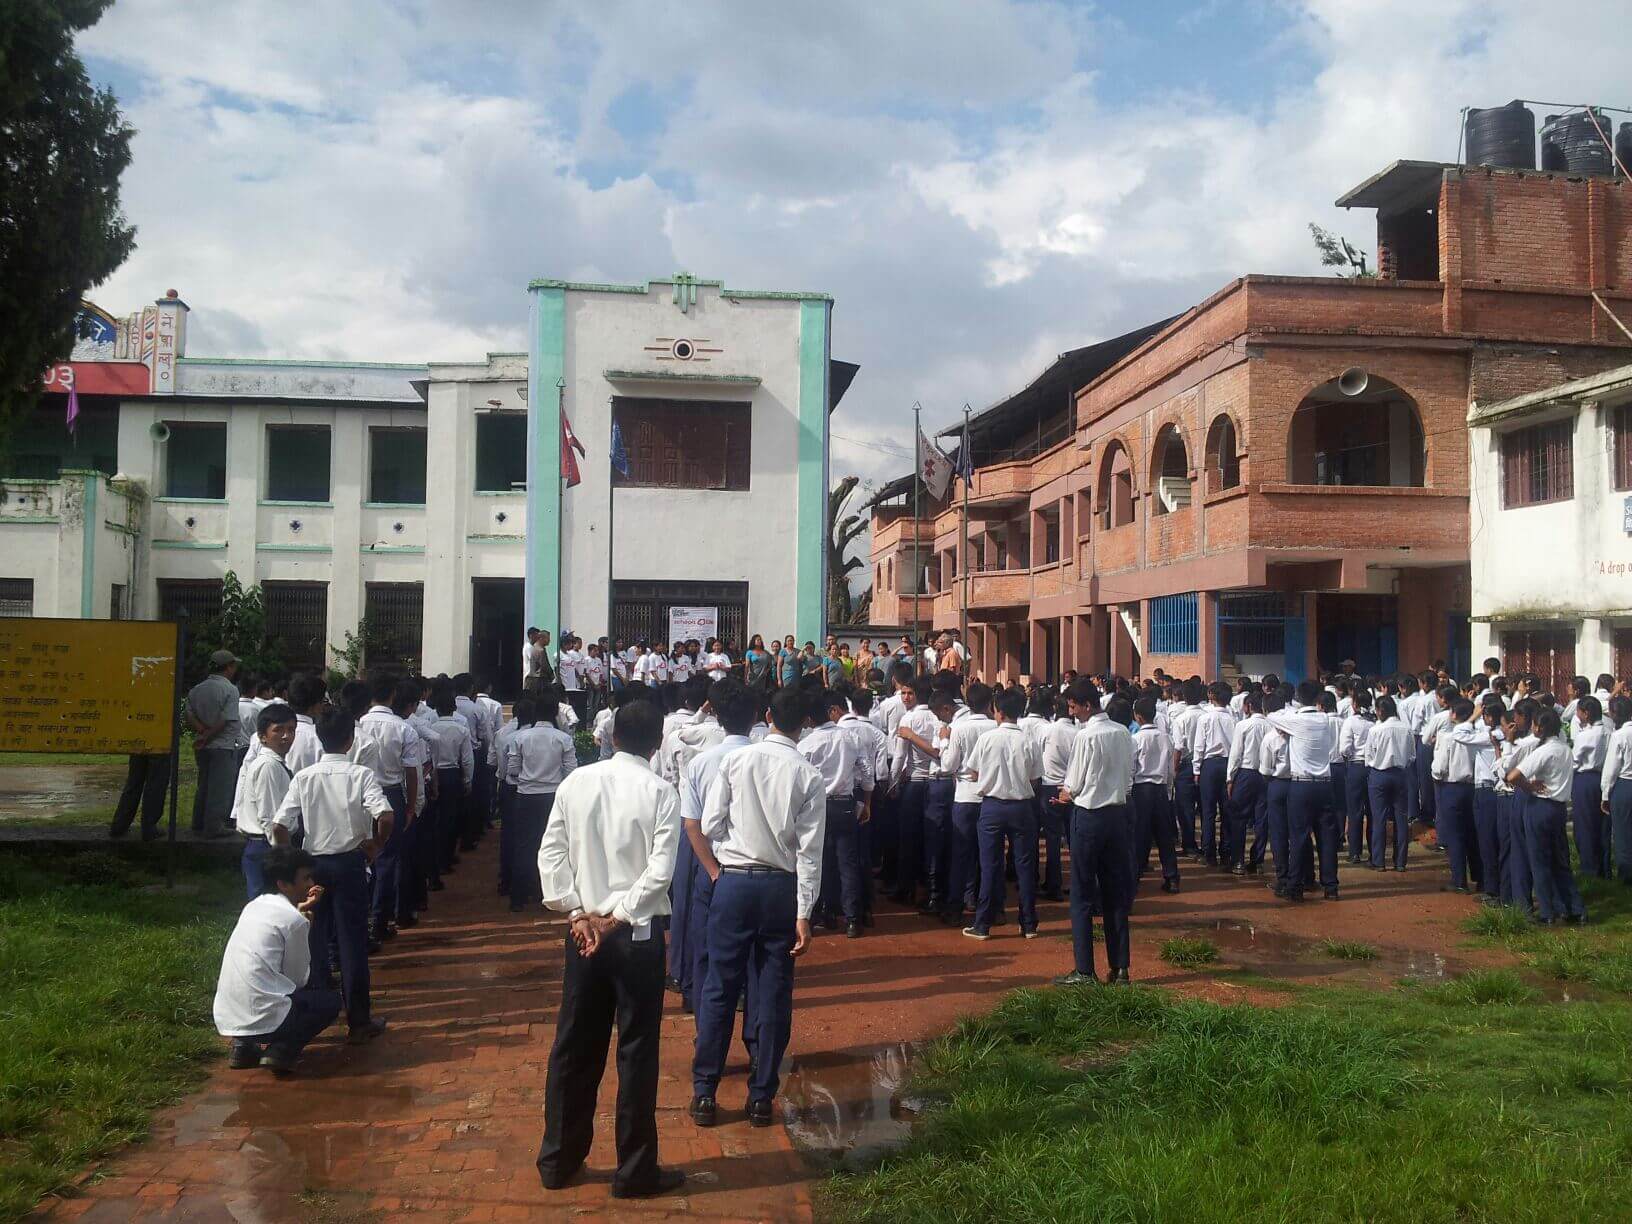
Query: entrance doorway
(1364, 628)
(497, 631)
(640, 610)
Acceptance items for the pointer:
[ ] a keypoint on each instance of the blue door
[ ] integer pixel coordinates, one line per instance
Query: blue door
(1296, 649)
(1388, 649)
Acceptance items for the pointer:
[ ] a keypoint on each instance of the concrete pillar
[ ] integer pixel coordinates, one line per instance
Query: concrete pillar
(1208, 660)
(1594, 649)
(449, 471)
(1122, 661)
(1098, 658)
(348, 487)
(1399, 444)
(246, 460)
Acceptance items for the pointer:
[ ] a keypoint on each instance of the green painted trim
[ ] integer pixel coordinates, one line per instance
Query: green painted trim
(311, 548)
(546, 365)
(295, 363)
(121, 528)
(393, 505)
(498, 493)
(192, 501)
(418, 549)
(87, 560)
(598, 287)
(778, 295)
(751, 380)
(322, 505)
(586, 287)
(204, 545)
(489, 537)
(810, 593)
(28, 518)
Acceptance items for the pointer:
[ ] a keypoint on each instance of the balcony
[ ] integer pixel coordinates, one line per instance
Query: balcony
(996, 489)
(1005, 588)
(1430, 522)
(900, 530)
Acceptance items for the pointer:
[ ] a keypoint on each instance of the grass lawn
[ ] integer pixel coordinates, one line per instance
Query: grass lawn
(105, 988)
(1473, 1100)
(102, 775)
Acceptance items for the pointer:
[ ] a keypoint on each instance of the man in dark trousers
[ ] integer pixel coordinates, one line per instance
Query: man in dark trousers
(146, 781)
(606, 861)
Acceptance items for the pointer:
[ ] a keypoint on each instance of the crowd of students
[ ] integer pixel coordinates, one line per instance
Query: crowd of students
(726, 821)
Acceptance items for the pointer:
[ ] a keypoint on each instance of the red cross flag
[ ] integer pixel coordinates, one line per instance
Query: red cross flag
(934, 468)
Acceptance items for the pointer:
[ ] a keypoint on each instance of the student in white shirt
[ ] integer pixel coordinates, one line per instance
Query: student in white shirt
(1616, 787)
(308, 697)
(346, 817)
(870, 742)
(651, 667)
(261, 788)
(1453, 772)
(601, 732)
(544, 755)
(1210, 736)
(1589, 749)
(1311, 742)
(1188, 697)
(1391, 753)
(1353, 739)
(1247, 803)
(1545, 777)
(964, 886)
(606, 860)
(1275, 765)
(847, 783)
(1097, 784)
(263, 1001)
(1001, 767)
(914, 753)
(764, 820)
(716, 661)
(1151, 796)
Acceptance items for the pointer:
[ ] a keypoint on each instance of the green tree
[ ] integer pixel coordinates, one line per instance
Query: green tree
(63, 145)
(240, 627)
(1338, 252)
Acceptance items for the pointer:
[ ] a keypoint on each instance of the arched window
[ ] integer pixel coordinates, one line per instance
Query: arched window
(1170, 469)
(1115, 487)
(1358, 430)
(1223, 459)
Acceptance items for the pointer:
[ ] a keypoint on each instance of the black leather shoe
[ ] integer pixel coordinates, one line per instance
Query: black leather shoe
(666, 1180)
(362, 1034)
(672, 985)
(278, 1060)
(1331, 894)
(557, 1181)
(759, 1112)
(1170, 886)
(1119, 976)
(852, 930)
(703, 1111)
(243, 1054)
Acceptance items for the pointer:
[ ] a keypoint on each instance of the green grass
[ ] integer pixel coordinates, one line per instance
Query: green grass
(1347, 949)
(1598, 954)
(1187, 953)
(106, 982)
(60, 758)
(101, 813)
(1431, 1104)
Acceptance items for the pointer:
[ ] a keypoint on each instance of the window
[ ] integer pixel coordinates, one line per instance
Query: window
(16, 597)
(1538, 465)
(119, 602)
(1620, 434)
(396, 611)
(1173, 624)
(195, 460)
(501, 452)
(684, 444)
(297, 463)
(1115, 488)
(1172, 467)
(200, 599)
(396, 466)
(297, 619)
(1549, 653)
(1223, 464)
(1356, 431)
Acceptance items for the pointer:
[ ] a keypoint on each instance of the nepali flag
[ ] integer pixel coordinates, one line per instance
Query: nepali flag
(569, 462)
(72, 419)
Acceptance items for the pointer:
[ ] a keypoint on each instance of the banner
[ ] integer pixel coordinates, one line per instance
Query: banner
(688, 623)
(87, 685)
(935, 469)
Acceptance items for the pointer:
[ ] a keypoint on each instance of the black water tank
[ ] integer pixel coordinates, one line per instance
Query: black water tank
(1623, 146)
(1502, 136)
(1552, 144)
(1578, 142)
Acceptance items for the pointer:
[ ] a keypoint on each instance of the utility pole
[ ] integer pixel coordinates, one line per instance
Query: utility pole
(917, 484)
(966, 461)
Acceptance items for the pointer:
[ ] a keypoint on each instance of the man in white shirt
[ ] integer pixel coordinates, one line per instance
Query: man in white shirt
(308, 697)
(1210, 735)
(453, 756)
(870, 742)
(1038, 723)
(1149, 796)
(965, 862)
(1453, 770)
(262, 1000)
(1391, 755)
(571, 664)
(1000, 768)
(1248, 802)
(218, 741)
(605, 861)
(545, 755)
(1311, 742)
(1097, 783)
(764, 820)
(652, 667)
(1545, 777)
(346, 817)
(1056, 756)
(395, 768)
(914, 753)
(1615, 785)
(261, 787)
(847, 781)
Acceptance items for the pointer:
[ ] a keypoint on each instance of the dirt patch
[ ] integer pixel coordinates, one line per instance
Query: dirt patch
(71, 790)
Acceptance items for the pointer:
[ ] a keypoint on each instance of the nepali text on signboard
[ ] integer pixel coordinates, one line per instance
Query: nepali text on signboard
(87, 686)
(688, 623)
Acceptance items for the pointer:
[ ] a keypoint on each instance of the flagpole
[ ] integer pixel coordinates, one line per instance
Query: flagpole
(967, 463)
(917, 570)
(560, 505)
(611, 519)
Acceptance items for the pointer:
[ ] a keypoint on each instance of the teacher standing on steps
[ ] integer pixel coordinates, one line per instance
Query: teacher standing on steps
(606, 861)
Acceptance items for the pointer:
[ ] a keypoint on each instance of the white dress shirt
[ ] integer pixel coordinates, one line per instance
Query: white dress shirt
(1245, 741)
(451, 746)
(874, 750)
(1180, 715)
(545, 755)
(1002, 763)
(768, 808)
(1617, 759)
(1312, 741)
(506, 765)
(1100, 772)
(611, 842)
(833, 751)
(306, 750)
(1390, 744)
(1548, 766)
(1036, 726)
(909, 759)
(389, 735)
(1454, 747)
(268, 957)
(1435, 722)
(1354, 737)
(602, 732)
(261, 788)
(1153, 756)
(1590, 747)
(1273, 759)
(1211, 734)
(683, 739)
(886, 714)
(1062, 737)
(700, 775)
(962, 737)
(336, 801)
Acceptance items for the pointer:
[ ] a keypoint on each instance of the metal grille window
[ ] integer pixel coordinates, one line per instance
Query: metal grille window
(200, 599)
(684, 444)
(396, 611)
(16, 597)
(297, 463)
(297, 619)
(396, 466)
(1620, 435)
(640, 610)
(195, 460)
(1538, 465)
(1549, 653)
(1173, 621)
(1623, 654)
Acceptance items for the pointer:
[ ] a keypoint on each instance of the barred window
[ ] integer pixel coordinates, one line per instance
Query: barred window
(396, 612)
(1173, 624)
(16, 597)
(297, 619)
(684, 444)
(1620, 433)
(200, 599)
(1538, 465)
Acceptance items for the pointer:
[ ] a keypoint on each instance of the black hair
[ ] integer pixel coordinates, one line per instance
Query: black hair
(335, 729)
(1308, 692)
(306, 691)
(1120, 710)
(405, 695)
(1591, 707)
(1462, 709)
(979, 698)
(1083, 692)
(637, 728)
(526, 711)
(282, 864)
(381, 686)
(735, 705)
(1011, 703)
(861, 701)
(272, 715)
(1547, 724)
(1386, 709)
(1145, 709)
(546, 706)
(788, 711)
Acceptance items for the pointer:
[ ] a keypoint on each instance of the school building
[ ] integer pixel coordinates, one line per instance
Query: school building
(1551, 529)
(428, 498)
(1277, 479)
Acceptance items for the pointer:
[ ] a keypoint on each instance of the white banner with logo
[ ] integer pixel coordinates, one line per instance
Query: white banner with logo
(688, 623)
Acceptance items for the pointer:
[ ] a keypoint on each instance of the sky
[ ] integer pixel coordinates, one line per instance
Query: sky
(979, 184)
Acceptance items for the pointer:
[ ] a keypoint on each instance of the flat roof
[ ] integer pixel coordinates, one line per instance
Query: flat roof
(1576, 390)
(1399, 186)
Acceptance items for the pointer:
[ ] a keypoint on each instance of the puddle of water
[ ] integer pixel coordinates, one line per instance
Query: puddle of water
(33, 791)
(846, 1110)
(1277, 954)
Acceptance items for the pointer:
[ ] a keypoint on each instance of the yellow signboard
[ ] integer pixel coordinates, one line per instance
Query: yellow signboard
(87, 685)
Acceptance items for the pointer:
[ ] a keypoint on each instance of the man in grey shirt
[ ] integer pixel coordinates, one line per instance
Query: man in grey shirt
(212, 712)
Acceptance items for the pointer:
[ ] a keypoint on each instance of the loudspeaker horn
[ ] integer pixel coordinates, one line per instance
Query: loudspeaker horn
(158, 431)
(1353, 381)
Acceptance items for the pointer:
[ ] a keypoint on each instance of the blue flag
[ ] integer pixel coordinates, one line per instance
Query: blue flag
(966, 464)
(620, 457)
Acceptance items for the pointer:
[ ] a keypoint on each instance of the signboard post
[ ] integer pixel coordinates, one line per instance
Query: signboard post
(688, 623)
(71, 686)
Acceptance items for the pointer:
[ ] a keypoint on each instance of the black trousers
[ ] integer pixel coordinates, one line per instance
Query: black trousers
(311, 1010)
(621, 983)
(146, 780)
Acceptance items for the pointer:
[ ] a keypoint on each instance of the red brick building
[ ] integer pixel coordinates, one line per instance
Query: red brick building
(1278, 478)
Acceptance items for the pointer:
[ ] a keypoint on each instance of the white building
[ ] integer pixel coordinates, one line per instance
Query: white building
(1551, 529)
(426, 498)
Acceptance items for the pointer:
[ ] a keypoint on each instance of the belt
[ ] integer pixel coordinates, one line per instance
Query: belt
(260, 837)
(1484, 786)
(1311, 777)
(755, 870)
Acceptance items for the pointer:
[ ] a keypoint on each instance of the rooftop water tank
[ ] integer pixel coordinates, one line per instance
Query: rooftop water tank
(1580, 143)
(1502, 136)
